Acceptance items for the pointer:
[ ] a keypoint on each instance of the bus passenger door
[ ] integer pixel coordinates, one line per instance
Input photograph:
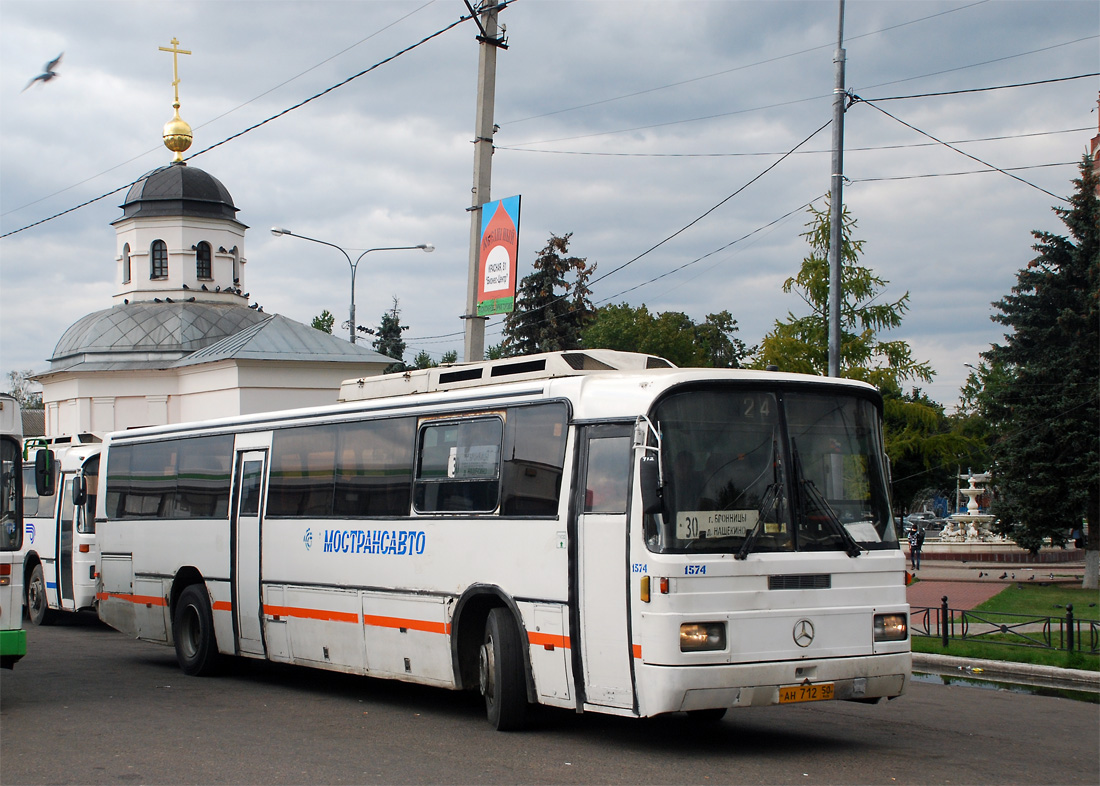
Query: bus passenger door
(65, 516)
(602, 578)
(247, 526)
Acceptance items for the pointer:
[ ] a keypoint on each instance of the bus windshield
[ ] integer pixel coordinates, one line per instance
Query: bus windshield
(751, 469)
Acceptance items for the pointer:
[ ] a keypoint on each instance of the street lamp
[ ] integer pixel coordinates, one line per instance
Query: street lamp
(425, 247)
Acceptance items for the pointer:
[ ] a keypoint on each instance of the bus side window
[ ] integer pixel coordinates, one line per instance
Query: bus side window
(607, 485)
(459, 466)
(30, 492)
(534, 454)
(375, 468)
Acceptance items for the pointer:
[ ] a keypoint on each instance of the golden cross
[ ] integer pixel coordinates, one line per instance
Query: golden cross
(175, 50)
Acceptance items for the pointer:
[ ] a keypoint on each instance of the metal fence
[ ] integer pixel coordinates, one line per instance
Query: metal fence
(1011, 630)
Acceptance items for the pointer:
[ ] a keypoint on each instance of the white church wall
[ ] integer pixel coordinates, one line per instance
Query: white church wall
(179, 235)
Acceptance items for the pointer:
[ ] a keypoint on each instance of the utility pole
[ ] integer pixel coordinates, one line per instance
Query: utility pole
(474, 341)
(836, 214)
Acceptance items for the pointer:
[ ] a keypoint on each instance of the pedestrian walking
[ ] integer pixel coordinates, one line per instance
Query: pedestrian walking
(916, 543)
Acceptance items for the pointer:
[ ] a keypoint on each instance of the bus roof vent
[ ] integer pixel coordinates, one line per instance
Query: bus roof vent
(494, 372)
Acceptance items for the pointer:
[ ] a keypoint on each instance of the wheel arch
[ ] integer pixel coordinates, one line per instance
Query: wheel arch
(468, 627)
(30, 559)
(184, 578)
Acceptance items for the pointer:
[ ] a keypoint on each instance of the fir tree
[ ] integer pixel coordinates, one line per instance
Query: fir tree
(388, 339)
(1045, 411)
(551, 311)
(324, 321)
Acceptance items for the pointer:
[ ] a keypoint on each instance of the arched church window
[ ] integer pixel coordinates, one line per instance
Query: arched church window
(202, 261)
(158, 255)
(126, 264)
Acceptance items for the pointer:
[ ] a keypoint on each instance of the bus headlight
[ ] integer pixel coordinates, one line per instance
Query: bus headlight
(701, 636)
(891, 627)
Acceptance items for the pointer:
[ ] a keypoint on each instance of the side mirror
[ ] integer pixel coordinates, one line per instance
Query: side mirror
(45, 473)
(80, 490)
(650, 478)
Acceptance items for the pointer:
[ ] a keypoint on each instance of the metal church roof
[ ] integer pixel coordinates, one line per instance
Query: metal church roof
(279, 338)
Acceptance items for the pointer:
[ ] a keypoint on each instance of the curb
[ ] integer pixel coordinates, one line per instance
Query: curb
(1088, 679)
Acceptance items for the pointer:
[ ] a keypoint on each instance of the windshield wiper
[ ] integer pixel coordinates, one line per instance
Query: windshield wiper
(771, 496)
(852, 548)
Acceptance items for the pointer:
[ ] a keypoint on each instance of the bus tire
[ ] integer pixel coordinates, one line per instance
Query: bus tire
(193, 631)
(38, 608)
(500, 671)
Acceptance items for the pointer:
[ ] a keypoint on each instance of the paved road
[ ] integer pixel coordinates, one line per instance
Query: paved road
(90, 706)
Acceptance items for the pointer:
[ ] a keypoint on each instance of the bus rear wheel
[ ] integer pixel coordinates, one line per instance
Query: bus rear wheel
(500, 671)
(38, 608)
(193, 631)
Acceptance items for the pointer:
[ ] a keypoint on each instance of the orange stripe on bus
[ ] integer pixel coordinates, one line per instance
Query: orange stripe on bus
(151, 600)
(548, 640)
(312, 614)
(398, 622)
(637, 648)
(222, 605)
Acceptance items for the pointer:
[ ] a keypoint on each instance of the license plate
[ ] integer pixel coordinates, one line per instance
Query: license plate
(822, 691)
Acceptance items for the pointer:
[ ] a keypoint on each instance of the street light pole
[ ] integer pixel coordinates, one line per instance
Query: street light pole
(353, 266)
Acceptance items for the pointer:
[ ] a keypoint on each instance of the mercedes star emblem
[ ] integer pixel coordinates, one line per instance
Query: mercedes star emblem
(803, 633)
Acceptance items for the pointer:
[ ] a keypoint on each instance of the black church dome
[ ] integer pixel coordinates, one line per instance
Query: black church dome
(178, 190)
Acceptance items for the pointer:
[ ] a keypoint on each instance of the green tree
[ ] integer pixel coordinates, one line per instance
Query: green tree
(21, 386)
(424, 360)
(388, 339)
(552, 304)
(801, 344)
(1046, 413)
(926, 447)
(672, 335)
(324, 322)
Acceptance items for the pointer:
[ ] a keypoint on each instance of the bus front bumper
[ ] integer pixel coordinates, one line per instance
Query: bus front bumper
(665, 689)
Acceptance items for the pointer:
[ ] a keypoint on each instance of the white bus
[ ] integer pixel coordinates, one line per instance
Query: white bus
(13, 639)
(589, 530)
(58, 558)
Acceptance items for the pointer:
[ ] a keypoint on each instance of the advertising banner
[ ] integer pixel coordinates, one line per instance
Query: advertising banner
(496, 289)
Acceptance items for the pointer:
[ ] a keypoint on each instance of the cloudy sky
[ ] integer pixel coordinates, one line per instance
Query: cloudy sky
(620, 122)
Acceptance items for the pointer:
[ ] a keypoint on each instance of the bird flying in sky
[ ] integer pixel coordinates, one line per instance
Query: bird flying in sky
(48, 71)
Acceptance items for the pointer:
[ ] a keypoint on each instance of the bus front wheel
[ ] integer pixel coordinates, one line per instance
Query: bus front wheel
(193, 630)
(500, 668)
(38, 608)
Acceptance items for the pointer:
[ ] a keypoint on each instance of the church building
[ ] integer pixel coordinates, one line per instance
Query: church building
(182, 341)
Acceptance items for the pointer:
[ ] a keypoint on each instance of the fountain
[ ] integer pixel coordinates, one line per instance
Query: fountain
(972, 526)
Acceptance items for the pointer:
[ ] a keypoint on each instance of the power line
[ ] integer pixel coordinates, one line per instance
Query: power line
(1006, 170)
(696, 220)
(957, 150)
(766, 61)
(762, 107)
(276, 116)
(679, 231)
(984, 62)
(865, 149)
(987, 89)
(226, 113)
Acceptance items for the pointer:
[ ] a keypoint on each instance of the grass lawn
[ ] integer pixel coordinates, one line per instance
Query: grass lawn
(1026, 600)
(1050, 601)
